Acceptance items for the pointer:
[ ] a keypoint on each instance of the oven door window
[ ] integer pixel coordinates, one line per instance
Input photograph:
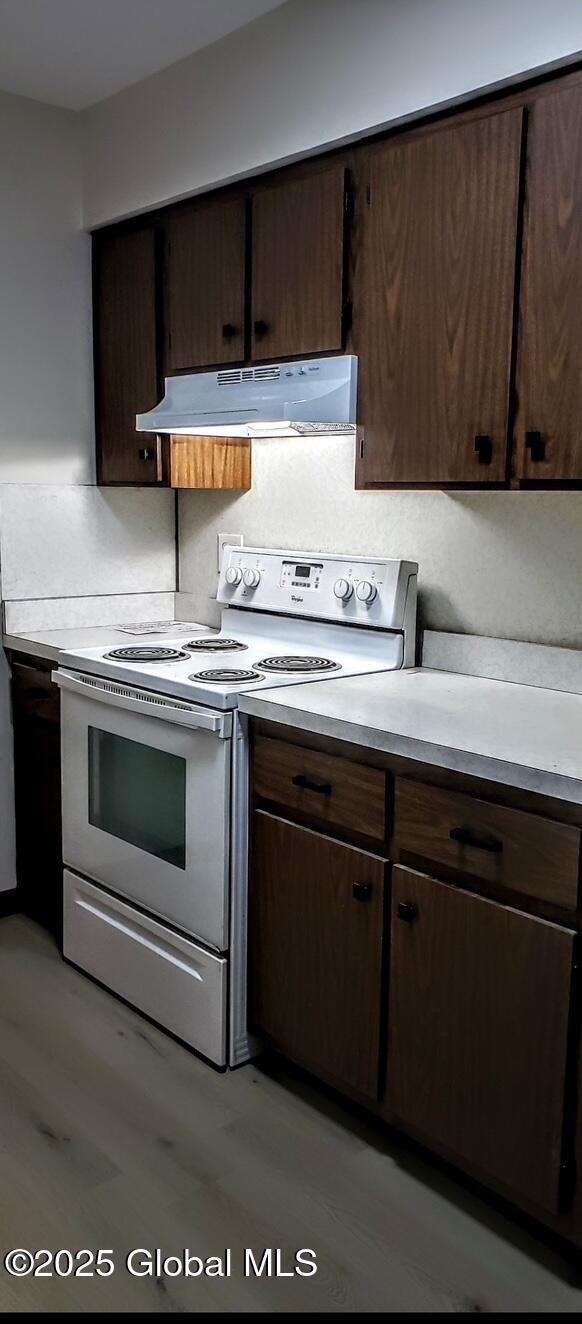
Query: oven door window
(138, 793)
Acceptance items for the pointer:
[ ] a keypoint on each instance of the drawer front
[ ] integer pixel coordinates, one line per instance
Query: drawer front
(528, 854)
(333, 790)
(35, 694)
(180, 985)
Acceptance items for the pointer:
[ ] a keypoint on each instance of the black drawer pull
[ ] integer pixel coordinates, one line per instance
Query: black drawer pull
(260, 327)
(322, 788)
(407, 911)
(362, 891)
(147, 453)
(484, 448)
(535, 444)
(229, 330)
(466, 837)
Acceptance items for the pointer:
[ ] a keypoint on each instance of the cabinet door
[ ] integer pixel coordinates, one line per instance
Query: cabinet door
(205, 285)
(297, 270)
(477, 1047)
(433, 304)
(315, 944)
(549, 420)
(37, 787)
(126, 361)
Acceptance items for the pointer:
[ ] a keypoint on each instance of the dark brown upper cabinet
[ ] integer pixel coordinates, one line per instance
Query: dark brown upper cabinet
(298, 266)
(205, 285)
(549, 384)
(127, 380)
(433, 304)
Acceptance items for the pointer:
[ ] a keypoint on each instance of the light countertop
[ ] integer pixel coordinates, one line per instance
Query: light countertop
(49, 643)
(512, 734)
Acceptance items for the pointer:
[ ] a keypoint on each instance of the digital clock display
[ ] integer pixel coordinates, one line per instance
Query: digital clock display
(302, 571)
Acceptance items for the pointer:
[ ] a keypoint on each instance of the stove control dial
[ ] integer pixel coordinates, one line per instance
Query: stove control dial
(343, 589)
(366, 592)
(252, 578)
(233, 575)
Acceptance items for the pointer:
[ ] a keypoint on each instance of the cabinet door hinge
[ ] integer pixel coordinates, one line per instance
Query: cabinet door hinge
(368, 194)
(361, 448)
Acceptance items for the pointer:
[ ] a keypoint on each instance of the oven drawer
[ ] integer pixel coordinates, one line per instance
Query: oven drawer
(180, 985)
(331, 789)
(528, 854)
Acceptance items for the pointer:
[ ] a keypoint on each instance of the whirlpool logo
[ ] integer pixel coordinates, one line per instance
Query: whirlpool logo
(295, 598)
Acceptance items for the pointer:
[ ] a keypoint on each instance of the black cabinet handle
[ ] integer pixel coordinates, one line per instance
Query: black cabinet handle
(535, 444)
(484, 448)
(147, 453)
(229, 330)
(260, 327)
(407, 911)
(466, 837)
(362, 891)
(322, 788)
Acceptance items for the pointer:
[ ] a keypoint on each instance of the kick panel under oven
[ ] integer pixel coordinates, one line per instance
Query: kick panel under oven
(146, 801)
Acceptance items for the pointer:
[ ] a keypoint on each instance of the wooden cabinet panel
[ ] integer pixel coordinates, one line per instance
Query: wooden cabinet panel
(126, 363)
(215, 463)
(478, 1032)
(205, 285)
(37, 785)
(316, 951)
(433, 304)
(549, 420)
(297, 267)
(501, 845)
(335, 791)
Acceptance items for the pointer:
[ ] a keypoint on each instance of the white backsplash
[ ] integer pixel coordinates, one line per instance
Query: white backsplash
(76, 612)
(59, 542)
(506, 564)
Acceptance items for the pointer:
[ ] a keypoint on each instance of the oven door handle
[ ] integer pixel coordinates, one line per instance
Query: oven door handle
(142, 701)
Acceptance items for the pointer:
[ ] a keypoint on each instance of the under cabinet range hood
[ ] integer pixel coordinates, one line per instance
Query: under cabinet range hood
(271, 400)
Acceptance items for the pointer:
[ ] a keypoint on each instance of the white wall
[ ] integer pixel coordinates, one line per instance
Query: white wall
(311, 73)
(507, 564)
(46, 406)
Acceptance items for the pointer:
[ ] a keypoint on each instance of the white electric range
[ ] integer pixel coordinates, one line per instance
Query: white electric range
(155, 776)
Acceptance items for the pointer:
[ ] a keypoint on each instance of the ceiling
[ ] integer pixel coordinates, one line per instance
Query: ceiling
(73, 53)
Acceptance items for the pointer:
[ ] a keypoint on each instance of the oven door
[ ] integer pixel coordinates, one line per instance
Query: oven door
(146, 800)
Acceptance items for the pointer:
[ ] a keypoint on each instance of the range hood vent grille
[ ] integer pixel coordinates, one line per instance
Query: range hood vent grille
(236, 376)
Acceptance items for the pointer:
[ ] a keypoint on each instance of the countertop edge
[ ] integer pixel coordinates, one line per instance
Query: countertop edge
(15, 643)
(520, 776)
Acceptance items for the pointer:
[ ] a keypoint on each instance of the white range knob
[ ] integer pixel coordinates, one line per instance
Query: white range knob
(343, 589)
(233, 575)
(366, 592)
(252, 578)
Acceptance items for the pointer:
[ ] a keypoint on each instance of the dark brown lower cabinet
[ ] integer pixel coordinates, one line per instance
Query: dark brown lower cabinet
(37, 779)
(316, 921)
(479, 1011)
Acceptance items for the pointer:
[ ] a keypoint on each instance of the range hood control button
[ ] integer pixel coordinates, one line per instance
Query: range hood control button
(343, 589)
(233, 575)
(252, 578)
(366, 592)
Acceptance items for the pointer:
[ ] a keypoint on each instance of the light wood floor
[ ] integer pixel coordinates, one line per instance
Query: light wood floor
(113, 1136)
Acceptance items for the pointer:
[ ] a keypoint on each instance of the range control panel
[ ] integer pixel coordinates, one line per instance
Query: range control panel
(335, 588)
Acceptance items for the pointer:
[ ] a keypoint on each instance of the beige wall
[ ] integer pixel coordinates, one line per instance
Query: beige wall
(496, 563)
(311, 73)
